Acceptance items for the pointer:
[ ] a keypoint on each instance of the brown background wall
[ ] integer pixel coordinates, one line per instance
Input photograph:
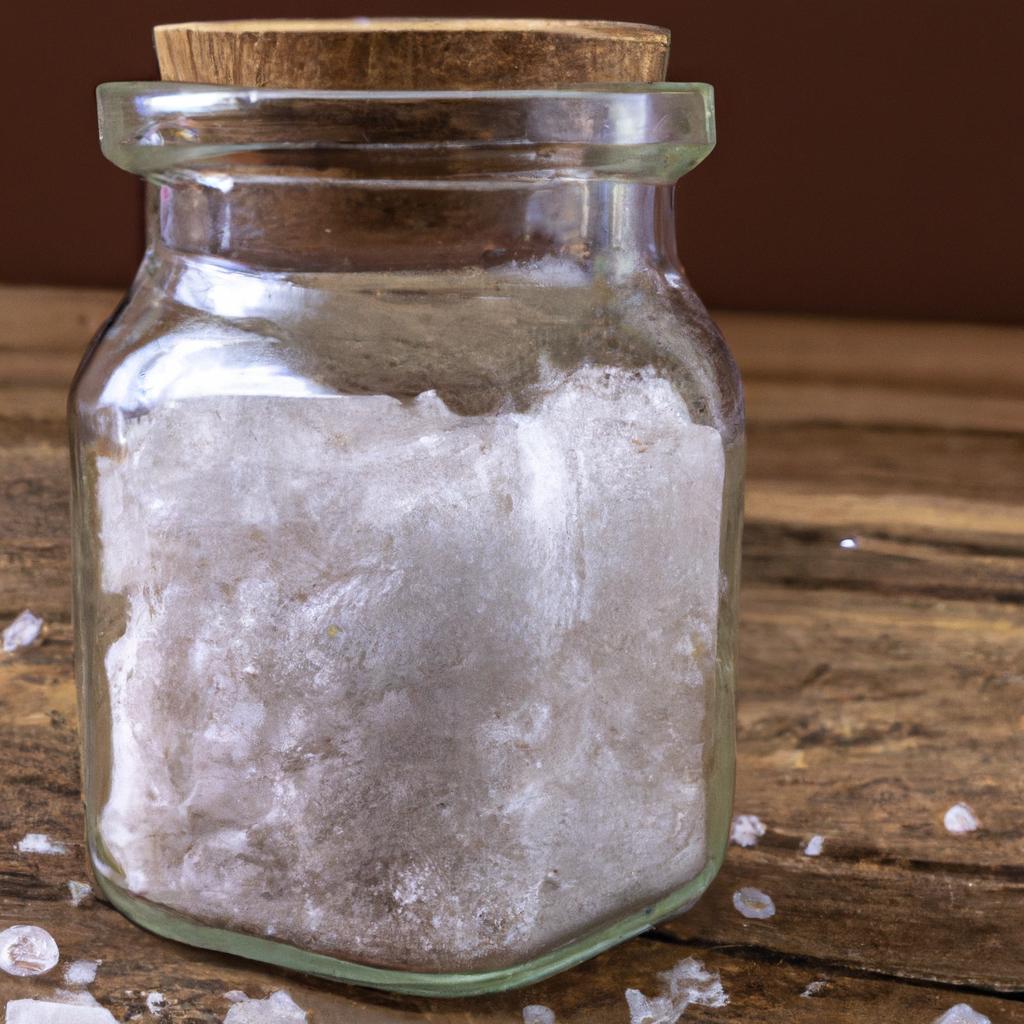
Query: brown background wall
(871, 153)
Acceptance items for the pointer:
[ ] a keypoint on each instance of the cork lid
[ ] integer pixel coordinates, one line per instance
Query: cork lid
(411, 53)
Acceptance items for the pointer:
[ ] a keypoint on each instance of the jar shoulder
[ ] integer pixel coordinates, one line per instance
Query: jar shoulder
(481, 341)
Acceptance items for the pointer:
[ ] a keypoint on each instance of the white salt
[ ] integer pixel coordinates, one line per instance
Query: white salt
(25, 631)
(753, 903)
(814, 987)
(747, 829)
(960, 818)
(278, 1008)
(155, 1002)
(962, 1013)
(442, 611)
(814, 846)
(26, 950)
(38, 842)
(79, 892)
(81, 972)
(537, 1014)
(39, 1011)
(685, 984)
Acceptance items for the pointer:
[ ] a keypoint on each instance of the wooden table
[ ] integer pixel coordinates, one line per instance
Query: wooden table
(879, 684)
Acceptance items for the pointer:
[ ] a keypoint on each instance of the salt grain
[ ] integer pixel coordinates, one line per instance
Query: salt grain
(753, 903)
(39, 1011)
(814, 988)
(155, 1002)
(81, 972)
(27, 950)
(960, 818)
(25, 631)
(80, 892)
(278, 1008)
(37, 842)
(747, 829)
(537, 1014)
(687, 983)
(962, 1014)
(814, 846)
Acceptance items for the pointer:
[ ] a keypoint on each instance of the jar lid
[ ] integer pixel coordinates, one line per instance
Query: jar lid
(411, 53)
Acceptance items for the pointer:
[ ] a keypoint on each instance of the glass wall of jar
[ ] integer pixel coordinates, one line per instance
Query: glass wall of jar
(407, 505)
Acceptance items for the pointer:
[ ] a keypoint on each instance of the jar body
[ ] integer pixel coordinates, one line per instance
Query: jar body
(406, 607)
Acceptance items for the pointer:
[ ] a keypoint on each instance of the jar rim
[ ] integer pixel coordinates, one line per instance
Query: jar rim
(644, 132)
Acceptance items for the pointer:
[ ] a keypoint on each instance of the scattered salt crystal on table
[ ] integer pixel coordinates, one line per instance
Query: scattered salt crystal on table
(37, 842)
(962, 1014)
(753, 903)
(747, 829)
(39, 1011)
(26, 950)
(81, 972)
(155, 1002)
(685, 984)
(537, 1014)
(814, 988)
(235, 996)
(278, 1008)
(814, 846)
(25, 631)
(80, 892)
(961, 818)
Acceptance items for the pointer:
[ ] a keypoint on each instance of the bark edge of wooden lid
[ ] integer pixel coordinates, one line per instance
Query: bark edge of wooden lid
(411, 53)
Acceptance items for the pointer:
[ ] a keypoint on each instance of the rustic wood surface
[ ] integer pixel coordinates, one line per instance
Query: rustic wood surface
(879, 684)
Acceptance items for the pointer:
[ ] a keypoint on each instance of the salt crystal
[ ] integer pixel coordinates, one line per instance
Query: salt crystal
(25, 631)
(80, 892)
(747, 829)
(962, 1013)
(155, 1002)
(850, 543)
(81, 972)
(685, 984)
(508, 549)
(814, 988)
(961, 818)
(235, 996)
(537, 1014)
(278, 1008)
(37, 842)
(26, 950)
(814, 846)
(753, 903)
(39, 1011)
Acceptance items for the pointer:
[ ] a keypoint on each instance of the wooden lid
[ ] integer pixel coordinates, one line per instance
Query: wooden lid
(411, 53)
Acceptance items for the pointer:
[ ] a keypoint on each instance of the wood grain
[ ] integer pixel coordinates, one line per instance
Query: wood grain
(878, 685)
(411, 53)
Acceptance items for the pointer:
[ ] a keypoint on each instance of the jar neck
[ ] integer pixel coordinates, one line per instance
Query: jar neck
(307, 226)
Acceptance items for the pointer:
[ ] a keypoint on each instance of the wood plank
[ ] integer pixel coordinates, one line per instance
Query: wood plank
(986, 360)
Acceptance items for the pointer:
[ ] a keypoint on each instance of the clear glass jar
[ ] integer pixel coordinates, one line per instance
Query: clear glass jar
(407, 500)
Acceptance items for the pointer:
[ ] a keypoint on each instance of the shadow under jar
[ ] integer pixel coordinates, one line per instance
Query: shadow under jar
(407, 504)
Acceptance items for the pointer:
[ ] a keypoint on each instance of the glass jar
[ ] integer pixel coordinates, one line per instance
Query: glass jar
(407, 501)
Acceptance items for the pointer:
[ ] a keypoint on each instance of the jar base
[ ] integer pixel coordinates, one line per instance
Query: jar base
(170, 925)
